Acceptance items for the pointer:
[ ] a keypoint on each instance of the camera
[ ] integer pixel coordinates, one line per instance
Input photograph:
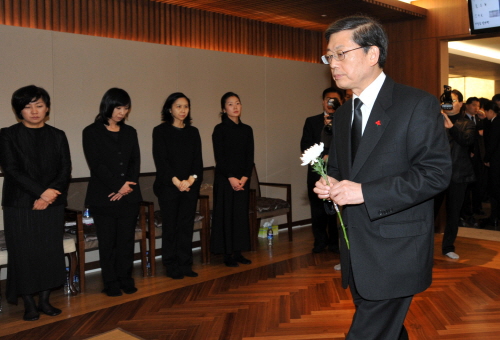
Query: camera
(446, 100)
(334, 103)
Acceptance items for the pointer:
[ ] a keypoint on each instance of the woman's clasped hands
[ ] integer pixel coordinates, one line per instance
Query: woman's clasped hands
(183, 185)
(238, 184)
(46, 198)
(124, 190)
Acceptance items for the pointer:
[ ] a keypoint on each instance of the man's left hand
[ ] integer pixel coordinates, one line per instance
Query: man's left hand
(347, 192)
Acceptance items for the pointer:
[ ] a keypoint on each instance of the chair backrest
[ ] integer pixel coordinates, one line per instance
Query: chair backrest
(146, 181)
(77, 191)
(207, 186)
(254, 181)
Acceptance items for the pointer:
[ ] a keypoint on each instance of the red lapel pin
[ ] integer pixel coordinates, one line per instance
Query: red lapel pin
(378, 122)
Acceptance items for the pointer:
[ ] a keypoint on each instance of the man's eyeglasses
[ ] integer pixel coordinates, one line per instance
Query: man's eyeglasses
(337, 55)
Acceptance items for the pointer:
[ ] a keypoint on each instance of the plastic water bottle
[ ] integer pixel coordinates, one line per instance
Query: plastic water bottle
(76, 280)
(86, 213)
(270, 235)
(67, 290)
(148, 264)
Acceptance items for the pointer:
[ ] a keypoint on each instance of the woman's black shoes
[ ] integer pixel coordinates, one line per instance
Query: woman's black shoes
(190, 273)
(49, 310)
(230, 261)
(175, 273)
(241, 259)
(128, 286)
(32, 315)
(129, 289)
(112, 291)
(30, 310)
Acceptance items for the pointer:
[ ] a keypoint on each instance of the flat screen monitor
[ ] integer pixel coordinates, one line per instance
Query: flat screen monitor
(484, 16)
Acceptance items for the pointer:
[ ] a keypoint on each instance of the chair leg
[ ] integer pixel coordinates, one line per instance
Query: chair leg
(254, 228)
(144, 258)
(72, 270)
(0, 295)
(152, 254)
(289, 224)
(151, 235)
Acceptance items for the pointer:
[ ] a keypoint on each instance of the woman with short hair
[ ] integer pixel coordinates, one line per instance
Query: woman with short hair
(36, 163)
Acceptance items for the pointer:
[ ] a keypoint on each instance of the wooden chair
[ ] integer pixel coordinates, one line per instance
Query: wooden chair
(266, 207)
(201, 223)
(84, 238)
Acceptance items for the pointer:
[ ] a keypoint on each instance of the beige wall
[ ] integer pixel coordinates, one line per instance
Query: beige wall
(277, 95)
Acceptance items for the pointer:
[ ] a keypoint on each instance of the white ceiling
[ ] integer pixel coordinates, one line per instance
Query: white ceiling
(481, 60)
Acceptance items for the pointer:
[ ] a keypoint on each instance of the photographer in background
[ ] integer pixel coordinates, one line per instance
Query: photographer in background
(461, 135)
(318, 129)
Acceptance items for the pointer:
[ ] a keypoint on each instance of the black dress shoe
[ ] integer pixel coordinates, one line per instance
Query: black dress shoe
(49, 310)
(175, 274)
(112, 291)
(190, 273)
(31, 315)
(231, 262)
(129, 289)
(242, 259)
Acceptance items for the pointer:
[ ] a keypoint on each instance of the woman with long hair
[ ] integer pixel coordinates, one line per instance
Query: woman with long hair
(36, 163)
(112, 151)
(234, 157)
(179, 171)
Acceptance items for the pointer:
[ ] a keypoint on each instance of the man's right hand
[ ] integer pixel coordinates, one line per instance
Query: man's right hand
(322, 189)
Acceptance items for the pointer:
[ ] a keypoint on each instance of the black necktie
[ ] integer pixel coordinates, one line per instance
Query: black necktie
(356, 128)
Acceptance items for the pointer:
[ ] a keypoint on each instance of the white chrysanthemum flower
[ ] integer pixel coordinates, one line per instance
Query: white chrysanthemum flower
(312, 154)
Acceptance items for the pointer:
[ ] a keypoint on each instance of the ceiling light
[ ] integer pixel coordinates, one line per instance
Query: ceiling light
(466, 48)
(407, 1)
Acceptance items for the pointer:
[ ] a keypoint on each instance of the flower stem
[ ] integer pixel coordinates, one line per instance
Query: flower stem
(338, 214)
(342, 224)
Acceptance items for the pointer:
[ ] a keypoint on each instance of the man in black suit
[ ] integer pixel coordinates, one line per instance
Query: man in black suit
(316, 129)
(473, 199)
(384, 172)
(492, 160)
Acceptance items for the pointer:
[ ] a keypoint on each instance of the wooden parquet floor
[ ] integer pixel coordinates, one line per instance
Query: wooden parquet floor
(287, 293)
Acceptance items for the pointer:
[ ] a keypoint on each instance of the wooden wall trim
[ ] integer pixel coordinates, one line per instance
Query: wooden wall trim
(160, 23)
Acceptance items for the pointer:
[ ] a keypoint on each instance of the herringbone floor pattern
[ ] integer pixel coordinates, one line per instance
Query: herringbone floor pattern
(297, 298)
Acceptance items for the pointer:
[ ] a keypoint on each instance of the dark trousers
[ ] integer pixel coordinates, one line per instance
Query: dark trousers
(116, 248)
(178, 211)
(454, 199)
(378, 320)
(324, 226)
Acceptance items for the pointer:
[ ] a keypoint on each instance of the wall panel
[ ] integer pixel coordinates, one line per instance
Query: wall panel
(414, 56)
(151, 21)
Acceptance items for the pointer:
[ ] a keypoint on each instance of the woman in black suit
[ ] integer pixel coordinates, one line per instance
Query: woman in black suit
(113, 195)
(36, 162)
(179, 171)
(234, 154)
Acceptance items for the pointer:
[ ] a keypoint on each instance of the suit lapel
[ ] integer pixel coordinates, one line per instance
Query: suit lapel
(375, 127)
